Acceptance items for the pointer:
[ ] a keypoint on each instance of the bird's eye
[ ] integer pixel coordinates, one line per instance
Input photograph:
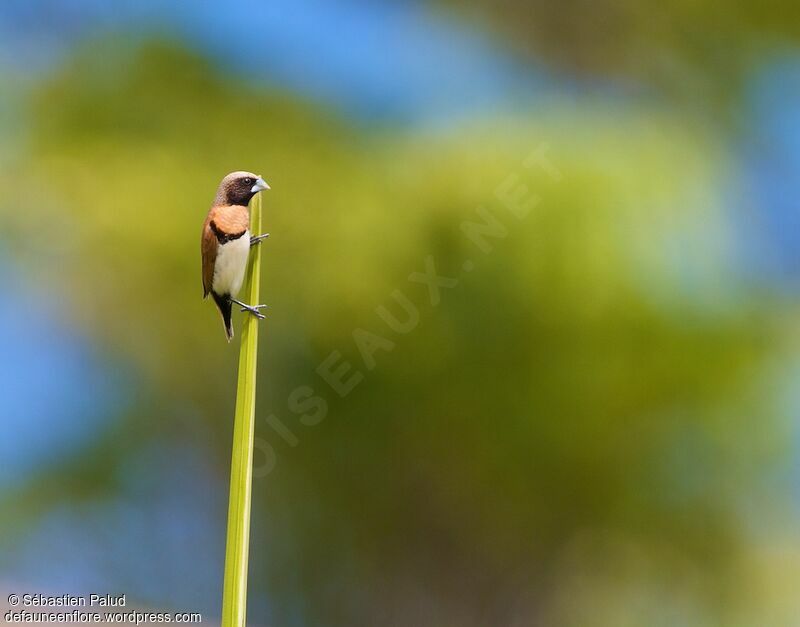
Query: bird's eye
(248, 181)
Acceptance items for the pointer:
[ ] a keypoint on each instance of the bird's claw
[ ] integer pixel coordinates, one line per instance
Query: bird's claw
(254, 309)
(256, 239)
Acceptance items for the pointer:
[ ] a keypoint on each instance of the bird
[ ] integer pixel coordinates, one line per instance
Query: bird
(225, 244)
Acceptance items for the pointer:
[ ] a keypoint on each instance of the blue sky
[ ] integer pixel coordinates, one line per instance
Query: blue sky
(60, 392)
(384, 60)
(769, 168)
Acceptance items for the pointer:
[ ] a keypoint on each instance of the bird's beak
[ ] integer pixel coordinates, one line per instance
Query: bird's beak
(260, 185)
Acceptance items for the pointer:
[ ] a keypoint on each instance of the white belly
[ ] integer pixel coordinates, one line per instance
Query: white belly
(230, 265)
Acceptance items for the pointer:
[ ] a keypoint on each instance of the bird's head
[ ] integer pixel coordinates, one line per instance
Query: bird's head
(237, 188)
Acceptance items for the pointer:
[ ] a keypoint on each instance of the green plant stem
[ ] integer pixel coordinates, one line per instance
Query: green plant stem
(234, 595)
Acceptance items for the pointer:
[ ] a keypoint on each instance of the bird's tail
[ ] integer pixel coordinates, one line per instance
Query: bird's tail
(224, 305)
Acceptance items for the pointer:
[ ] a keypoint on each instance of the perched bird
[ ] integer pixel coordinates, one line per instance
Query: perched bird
(226, 242)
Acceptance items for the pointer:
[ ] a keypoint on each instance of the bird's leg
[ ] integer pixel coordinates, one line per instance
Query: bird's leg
(256, 239)
(253, 309)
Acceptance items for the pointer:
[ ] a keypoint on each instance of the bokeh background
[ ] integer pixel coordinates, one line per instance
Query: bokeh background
(596, 426)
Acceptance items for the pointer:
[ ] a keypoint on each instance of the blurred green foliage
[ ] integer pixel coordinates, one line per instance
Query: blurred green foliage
(570, 437)
(693, 52)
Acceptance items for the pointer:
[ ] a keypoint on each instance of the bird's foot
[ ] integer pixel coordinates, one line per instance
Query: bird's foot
(257, 239)
(253, 309)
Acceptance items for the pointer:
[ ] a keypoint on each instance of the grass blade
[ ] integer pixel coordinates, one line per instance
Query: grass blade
(234, 595)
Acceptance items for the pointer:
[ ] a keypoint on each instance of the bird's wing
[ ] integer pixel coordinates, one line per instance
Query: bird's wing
(223, 220)
(208, 248)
